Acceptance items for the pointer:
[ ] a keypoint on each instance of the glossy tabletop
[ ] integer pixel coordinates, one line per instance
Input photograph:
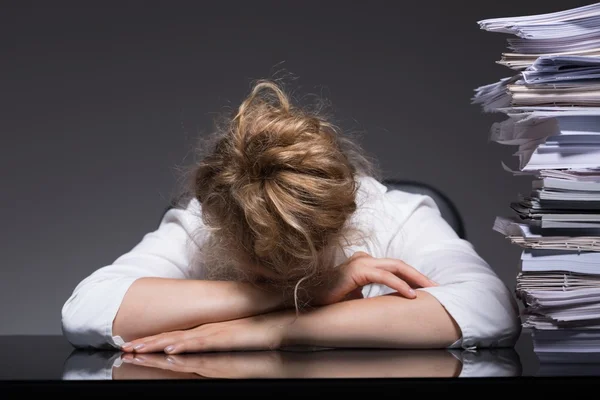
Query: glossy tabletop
(49, 363)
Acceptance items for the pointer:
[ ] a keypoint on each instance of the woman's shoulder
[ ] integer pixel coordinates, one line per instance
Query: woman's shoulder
(187, 214)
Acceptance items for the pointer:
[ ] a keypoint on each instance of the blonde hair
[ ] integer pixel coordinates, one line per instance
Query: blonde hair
(277, 187)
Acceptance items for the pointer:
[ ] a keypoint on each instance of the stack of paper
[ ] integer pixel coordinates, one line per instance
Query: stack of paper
(568, 32)
(551, 105)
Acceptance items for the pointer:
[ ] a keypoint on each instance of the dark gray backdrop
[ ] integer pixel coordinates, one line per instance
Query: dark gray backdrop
(99, 102)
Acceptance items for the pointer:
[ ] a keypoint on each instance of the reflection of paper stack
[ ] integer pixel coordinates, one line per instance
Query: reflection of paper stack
(551, 102)
(567, 346)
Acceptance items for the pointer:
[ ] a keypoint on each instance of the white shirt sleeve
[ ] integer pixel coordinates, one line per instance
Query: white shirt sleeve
(88, 314)
(411, 228)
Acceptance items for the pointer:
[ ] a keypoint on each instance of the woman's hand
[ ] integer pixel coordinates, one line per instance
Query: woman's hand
(362, 269)
(261, 332)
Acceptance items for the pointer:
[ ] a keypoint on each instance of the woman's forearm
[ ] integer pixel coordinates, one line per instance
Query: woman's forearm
(156, 305)
(387, 321)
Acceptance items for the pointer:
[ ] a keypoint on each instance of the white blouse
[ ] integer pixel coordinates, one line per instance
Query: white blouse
(402, 225)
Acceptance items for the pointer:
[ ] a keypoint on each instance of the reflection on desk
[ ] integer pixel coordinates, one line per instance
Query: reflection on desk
(339, 363)
(48, 364)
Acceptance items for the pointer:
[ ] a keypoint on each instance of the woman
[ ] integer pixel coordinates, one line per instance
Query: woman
(287, 239)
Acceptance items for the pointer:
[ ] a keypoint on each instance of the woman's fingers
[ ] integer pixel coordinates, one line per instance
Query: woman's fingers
(399, 268)
(375, 275)
(197, 344)
(415, 279)
(138, 344)
(173, 343)
(155, 343)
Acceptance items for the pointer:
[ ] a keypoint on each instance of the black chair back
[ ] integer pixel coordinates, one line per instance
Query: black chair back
(447, 208)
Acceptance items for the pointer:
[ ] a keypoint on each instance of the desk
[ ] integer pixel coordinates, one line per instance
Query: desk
(48, 364)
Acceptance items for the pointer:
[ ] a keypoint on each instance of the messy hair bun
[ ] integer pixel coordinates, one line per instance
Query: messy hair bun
(277, 190)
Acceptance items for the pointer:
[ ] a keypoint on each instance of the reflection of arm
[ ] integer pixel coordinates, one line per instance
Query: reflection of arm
(151, 289)
(371, 364)
(339, 363)
(141, 372)
(294, 365)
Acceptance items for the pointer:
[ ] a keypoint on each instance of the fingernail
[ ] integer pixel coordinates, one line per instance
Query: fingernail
(128, 344)
(170, 360)
(139, 346)
(433, 283)
(412, 292)
(169, 349)
(127, 360)
(139, 359)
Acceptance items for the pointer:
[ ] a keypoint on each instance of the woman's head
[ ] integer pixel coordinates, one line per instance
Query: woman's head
(277, 190)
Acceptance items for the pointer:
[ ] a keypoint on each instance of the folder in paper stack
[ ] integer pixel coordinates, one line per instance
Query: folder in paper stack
(551, 104)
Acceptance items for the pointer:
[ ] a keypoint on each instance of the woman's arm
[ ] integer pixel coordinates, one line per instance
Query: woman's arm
(470, 300)
(470, 306)
(153, 288)
(469, 289)
(156, 305)
(387, 321)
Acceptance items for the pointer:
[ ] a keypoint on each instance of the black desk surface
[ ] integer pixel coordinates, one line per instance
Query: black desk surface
(48, 364)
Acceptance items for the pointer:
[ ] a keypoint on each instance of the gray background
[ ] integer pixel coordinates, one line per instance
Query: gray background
(100, 102)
